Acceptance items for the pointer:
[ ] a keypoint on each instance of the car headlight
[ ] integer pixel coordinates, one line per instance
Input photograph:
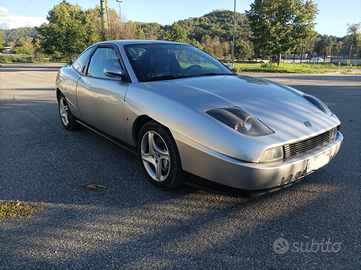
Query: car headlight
(241, 121)
(319, 104)
(272, 154)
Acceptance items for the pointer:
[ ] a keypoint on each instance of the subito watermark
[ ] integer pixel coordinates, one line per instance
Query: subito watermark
(282, 246)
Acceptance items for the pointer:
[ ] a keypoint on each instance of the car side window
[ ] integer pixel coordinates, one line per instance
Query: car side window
(103, 58)
(80, 62)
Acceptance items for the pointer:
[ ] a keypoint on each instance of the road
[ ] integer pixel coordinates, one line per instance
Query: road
(132, 225)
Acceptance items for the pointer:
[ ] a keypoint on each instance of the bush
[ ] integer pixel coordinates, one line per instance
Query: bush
(14, 59)
(21, 50)
(19, 209)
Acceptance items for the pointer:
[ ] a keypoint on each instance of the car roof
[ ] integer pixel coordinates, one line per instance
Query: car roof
(138, 41)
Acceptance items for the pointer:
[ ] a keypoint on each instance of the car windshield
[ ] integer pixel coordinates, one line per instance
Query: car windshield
(162, 61)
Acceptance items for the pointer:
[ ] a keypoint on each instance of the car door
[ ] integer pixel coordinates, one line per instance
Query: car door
(101, 98)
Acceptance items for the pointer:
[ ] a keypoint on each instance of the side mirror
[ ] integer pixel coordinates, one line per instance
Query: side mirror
(229, 66)
(113, 72)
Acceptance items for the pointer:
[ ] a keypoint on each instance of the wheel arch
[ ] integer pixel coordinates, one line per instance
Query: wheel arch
(58, 92)
(140, 122)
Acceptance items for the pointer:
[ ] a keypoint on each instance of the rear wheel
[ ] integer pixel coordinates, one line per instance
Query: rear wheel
(159, 156)
(66, 117)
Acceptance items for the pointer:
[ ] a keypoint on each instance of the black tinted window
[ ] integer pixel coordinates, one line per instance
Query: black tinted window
(168, 61)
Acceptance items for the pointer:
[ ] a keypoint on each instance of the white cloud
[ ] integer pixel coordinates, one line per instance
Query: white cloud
(9, 21)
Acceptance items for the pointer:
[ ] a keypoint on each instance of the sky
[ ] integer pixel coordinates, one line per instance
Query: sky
(333, 17)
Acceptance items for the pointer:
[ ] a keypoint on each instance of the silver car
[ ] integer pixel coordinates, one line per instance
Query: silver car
(192, 120)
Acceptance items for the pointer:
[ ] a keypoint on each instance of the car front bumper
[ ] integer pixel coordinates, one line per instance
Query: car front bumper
(223, 170)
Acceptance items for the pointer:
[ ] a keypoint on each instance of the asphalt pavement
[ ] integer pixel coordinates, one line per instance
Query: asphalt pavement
(314, 224)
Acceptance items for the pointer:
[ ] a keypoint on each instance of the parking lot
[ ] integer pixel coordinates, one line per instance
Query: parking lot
(314, 224)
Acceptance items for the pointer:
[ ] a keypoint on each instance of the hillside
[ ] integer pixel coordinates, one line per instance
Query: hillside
(15, 34)
(218, 23)
(211, 32)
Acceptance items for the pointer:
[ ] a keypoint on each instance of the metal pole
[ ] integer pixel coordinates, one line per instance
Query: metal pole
(106, 10)
(120, 9)
(120, 19)
(103, 12)
(234, 32)
(331, 53)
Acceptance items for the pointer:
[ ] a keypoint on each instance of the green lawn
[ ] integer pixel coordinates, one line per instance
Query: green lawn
(295, 67)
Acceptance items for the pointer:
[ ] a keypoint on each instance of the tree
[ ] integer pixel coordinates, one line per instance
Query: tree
(195, 43)
(153, 31)
(24, 46)
(226, 48)
(15, 34)
(138, 32)
(10, 44)
(217, 23)
(176, 33)
(323, 45)
(116, 29)
(242, 50)
(70, 30)
(21, 50)
(279, 25)
(337, 48)
(2, 41)
(215, 47)
(354, 36)
(306, 46)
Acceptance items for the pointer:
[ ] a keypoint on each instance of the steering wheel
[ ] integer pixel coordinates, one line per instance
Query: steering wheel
(192, 67)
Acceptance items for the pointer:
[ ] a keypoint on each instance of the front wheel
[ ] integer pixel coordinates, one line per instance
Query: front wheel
(159, 156)
(66, 117)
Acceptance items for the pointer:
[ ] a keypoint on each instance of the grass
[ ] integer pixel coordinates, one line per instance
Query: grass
(16, 59)
(13, 59)
(293, 67)
(203, 65)
(12, 209)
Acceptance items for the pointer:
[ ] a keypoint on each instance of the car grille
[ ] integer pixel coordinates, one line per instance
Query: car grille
(307, 145)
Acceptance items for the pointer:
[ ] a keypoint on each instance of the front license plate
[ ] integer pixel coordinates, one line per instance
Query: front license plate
(317, 162)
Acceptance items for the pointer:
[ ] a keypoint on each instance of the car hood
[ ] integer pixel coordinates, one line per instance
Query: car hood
(280, 107)
(181, 105)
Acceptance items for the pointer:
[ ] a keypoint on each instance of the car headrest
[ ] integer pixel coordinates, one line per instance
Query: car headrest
(159, 60)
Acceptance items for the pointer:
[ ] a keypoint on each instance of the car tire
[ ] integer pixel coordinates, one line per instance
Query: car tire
(159, 156)
(66, 117)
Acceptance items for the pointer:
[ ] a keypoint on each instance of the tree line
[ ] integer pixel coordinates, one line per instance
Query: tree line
(268, 29)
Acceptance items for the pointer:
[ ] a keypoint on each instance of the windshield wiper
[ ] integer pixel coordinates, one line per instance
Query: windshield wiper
(168, 77)
(215, 74)
(171, 77)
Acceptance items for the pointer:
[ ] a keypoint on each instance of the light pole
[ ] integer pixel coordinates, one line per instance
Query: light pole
(104, 13)
(120, 9)
(234, 32)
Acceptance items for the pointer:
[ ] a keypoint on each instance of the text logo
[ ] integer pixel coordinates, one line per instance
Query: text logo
(281, 246)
